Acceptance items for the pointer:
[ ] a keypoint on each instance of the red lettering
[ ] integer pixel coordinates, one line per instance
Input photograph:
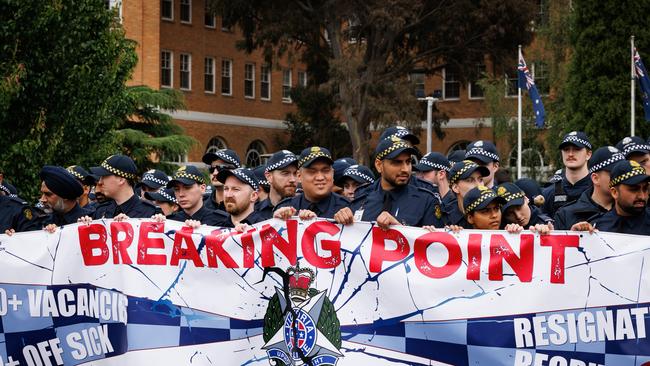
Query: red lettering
(474, 257)
(271, 238)
(379, 254)
(558, 243)
(500, 250)
(89, 245)
(333, 246)
(214, 249)
(453, 249)
(248, 246)
(187, 253)
(120, 246)
(145, 243)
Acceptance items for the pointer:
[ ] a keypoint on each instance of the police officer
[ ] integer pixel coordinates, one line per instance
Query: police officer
(517, 209)
(629, 187)
(532, 190)
(401, 132)
(463, 176)
(87, 181)
(484, 153)
(597, 200)
(265, 187)
(217, 161)
(355, 177)
(188, 184)
(240, 191)
(16, 215)
(456, 156)
(434, 168)
(576, 151)
(391, 200)
(117, 175)
(152, 181)
(281, 172)
(165, 198)
(339, 166)
(59, 193)
(317, 178)
(635, 148)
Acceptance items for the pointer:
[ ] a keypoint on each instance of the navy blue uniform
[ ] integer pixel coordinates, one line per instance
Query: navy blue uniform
(584, 209)
(16, 214)
(264, 209)
(612, 222)
(70, 217)
(134, 208)
(210, 203)
(410, 205)
(206, 216)
(325, 208)
(562, 193)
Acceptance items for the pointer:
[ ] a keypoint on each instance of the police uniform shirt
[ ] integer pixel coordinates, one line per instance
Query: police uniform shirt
(134, 208)
(264, 209)
(70, 217)
(536, 217)
(584, 209)
(410, 205)
(612, 222)
(211, 204)
(572, 192)
(251, 219)
(16, 214)
(454, 216)
(205, 215)
(325, 208)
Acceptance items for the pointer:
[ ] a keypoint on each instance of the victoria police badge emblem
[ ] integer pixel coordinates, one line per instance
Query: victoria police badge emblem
(304, 331)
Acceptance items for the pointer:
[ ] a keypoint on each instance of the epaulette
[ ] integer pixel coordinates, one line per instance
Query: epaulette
(283, 201)
(18, 200)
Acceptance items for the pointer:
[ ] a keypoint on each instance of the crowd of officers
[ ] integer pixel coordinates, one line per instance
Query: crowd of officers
(604, 189)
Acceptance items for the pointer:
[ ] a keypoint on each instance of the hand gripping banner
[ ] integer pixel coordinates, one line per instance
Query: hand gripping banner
(317, 293)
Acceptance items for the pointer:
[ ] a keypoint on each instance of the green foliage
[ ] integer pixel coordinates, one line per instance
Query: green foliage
(315, 123)
(64, 64)
(598, 87)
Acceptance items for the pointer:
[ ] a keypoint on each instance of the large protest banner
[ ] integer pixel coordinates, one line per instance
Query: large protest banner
(314, 292)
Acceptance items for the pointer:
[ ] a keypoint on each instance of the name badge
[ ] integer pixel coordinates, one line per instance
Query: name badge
(358, 214)
(561, 198)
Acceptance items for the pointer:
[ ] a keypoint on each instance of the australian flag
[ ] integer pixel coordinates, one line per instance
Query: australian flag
(527, 82)
(644, 83)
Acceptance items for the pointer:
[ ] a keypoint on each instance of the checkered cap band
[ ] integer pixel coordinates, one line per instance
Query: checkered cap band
(287, 160)
(162, 192)
(227, 158)
(637, 170)
(5, 189)
(434, 165)
(356, 173)
(74, 173)
(396, 145)
(468, 165)
(118, 172)
(245, 178)
(630, 147)
(615, 157)
(513, 196)
(480, 151)
(578, 140)
(314, 155)
(151, 178)
(188, 176)
(485, 195)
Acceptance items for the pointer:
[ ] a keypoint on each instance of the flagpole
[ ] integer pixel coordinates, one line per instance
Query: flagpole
(518, 122)
(632, 77)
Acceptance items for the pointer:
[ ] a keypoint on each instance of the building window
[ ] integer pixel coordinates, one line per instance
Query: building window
(210, 20)
(302, 79)
(166, 69)
(186, 11)
(226, 26)
(451, 84)
(208, 75)
(226, 77)
(474, 89)
(286, 85)
(186, 71)
(249, 80)
(540, 74)
(215, 144)
(542, 15)
(417, 78)
(512, 82)
(265, 83)
(254, 154)
(167, 9)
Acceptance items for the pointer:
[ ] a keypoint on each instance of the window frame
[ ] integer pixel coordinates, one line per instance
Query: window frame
(229, 76)
(180, 15)
(205, 74)
(444, 87)
(268, 82)
(206, 13)
(481, 69)
(171, 69)
(250, 80)
(171, 19)
(188, 71)
(303, 82)
(287, 99)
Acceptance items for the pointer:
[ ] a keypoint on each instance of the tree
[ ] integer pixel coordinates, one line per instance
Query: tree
(366, 49)
(598, 87)
(64, 65)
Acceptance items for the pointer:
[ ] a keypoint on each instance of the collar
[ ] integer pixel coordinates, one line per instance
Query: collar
(129, 204)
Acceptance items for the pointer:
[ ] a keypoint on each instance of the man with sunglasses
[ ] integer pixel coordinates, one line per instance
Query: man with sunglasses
(216, 162)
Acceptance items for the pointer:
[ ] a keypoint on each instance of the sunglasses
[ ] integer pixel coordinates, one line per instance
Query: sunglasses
(220, 167)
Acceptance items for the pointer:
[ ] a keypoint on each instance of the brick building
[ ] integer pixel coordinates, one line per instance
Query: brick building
(235, 100)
